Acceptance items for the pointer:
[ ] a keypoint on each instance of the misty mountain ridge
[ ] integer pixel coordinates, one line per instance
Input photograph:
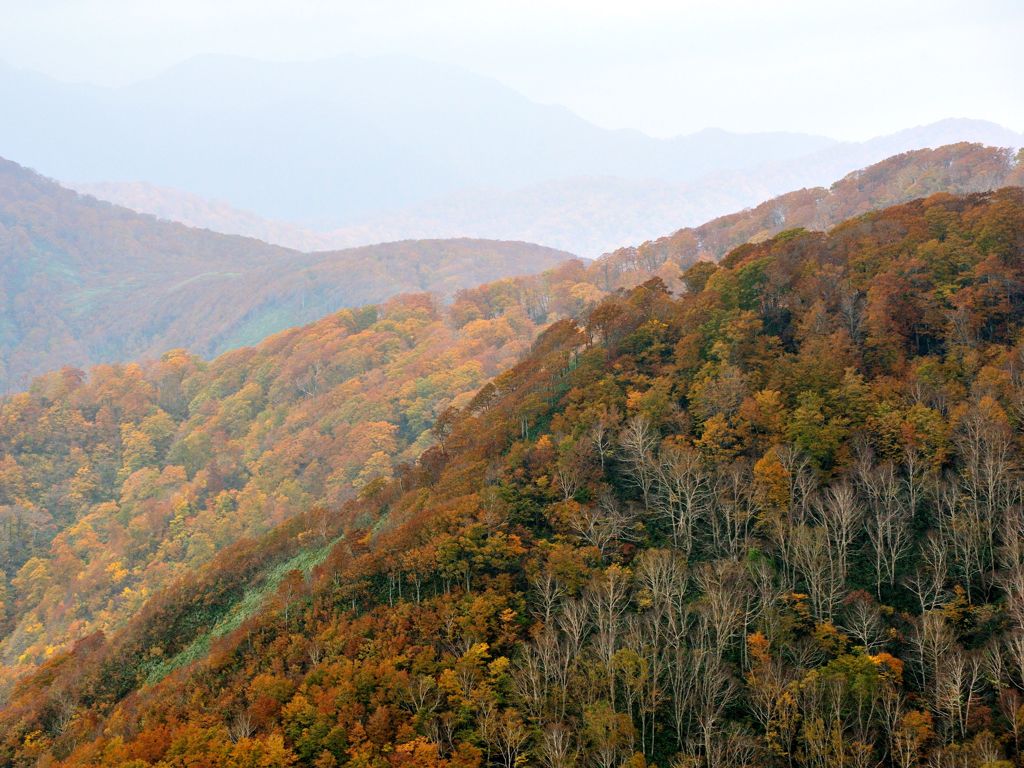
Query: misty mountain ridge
(585, 215)
(587, 204)
(350, 137)
(83, 281)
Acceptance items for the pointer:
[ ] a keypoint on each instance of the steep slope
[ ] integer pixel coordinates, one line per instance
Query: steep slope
(84, 282)
(773, 522)
(114, 484)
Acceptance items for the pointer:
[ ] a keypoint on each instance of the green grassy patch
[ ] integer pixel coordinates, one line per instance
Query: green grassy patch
(245, 607)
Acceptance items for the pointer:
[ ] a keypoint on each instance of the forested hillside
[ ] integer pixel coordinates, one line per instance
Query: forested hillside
(115, 484)
(84, 282)
(775, 520)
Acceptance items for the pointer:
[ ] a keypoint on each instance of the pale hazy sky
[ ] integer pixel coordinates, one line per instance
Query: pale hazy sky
(845, 69)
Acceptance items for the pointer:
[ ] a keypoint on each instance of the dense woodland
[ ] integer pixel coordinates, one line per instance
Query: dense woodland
(118, 482)
(775, 520)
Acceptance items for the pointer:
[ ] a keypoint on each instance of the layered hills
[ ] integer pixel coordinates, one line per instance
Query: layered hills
(587, 215)
(957, 168)
(83, 281)
(353, 151)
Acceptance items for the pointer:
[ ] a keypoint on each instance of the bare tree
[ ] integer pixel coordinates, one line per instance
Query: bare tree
(930, 642)
(557, 747)
(241, 726)
(927, 582)
(862, 620)
(569, 477)
(1013, 653)
(639, 441)
(725, 591)
(916, 475)
(530, 681)
(661, 574)
(684, 493)
(961, 531)
(986, 477)
(1011, 550)
(958, 679)
(711, 687)
(680, 684)
(732, 747)
(821, 553)
(608, 598)
(888, 523)
(838, 513)
(549, 592)
(574, 622)
(557, 661)
(511, 735)
(421, 695)
(601, 437)
(602, 525)
(733, 510)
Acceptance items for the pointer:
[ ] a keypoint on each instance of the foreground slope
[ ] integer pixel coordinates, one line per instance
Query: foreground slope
(774, 521)
(84, 282)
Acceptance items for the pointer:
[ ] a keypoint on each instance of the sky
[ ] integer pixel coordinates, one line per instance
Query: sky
(850, 70)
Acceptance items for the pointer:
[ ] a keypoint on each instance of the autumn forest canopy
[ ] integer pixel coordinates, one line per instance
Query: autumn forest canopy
(118, 482)
(750, 495)
(511, 385)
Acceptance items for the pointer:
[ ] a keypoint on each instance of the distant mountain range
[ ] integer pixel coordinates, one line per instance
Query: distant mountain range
(353, 151)
(84, 281)
(334, 142)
